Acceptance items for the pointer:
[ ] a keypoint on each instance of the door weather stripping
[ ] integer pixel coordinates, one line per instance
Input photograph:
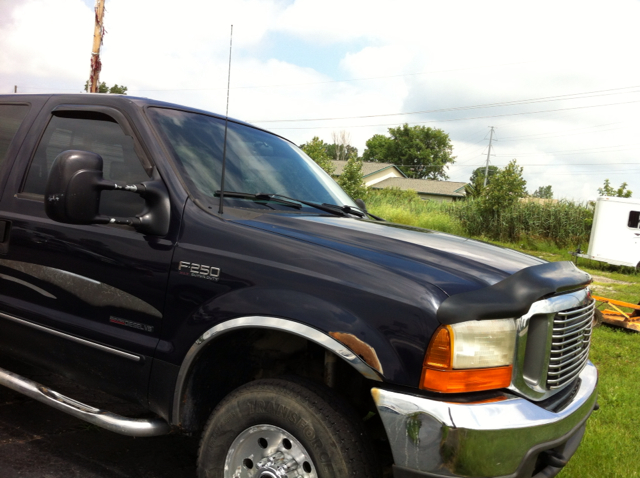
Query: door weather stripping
(137, 427)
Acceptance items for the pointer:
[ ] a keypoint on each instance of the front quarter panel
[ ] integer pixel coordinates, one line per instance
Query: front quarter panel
(383, 317)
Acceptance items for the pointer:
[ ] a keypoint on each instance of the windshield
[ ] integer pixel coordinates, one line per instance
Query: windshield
(257, 162)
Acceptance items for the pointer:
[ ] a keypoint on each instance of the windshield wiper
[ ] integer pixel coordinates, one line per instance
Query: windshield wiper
(262, 197)
(346, 209)
(356, 212)
(293, 202)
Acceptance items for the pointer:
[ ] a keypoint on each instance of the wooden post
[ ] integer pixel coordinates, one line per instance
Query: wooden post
(98, 32)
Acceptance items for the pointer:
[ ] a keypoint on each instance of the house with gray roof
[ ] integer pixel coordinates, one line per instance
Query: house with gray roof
(387, 175)
(427, 188)
(372, 173)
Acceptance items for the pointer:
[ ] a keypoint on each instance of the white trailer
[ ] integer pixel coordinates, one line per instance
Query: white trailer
(615, 234)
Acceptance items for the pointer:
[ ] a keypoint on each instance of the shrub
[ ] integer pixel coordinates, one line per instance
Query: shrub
(564, 223)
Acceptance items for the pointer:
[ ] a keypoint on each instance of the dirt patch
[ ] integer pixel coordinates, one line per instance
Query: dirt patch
(601, 290)
(606, 280)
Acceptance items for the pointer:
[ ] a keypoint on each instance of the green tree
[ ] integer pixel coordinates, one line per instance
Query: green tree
(341, 149)
(376, 149)
(474, 190)
(506, 187)
(351, 178)
(421, 152)
(118, 90)
(341, 152)
(544, 192)
(103, 88)
(478, 174)
(476, 187)
(316, 149)
(608, 190)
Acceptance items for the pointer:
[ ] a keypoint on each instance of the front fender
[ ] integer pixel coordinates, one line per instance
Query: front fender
(272, 323)
(354, 323)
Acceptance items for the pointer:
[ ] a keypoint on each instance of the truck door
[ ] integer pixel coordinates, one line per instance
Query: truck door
(85, 301)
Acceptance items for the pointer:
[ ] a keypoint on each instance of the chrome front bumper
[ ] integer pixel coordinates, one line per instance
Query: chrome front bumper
(431, 438)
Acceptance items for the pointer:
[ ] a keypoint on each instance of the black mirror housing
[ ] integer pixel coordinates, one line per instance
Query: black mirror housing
(156, 217)
(360, 203)
(73, 190)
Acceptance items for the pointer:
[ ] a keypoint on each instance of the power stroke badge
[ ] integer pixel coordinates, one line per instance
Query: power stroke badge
(131, 323)
(201, 271)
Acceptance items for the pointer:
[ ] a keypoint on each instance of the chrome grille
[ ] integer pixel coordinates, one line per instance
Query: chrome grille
(570, 344)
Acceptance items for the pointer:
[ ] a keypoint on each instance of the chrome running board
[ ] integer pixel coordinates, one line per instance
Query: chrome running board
(137, 427)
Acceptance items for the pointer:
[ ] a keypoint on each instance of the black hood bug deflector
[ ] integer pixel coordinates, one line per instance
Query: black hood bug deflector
(513, 296)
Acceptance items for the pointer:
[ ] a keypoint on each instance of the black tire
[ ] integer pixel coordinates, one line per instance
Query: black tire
(283, 420)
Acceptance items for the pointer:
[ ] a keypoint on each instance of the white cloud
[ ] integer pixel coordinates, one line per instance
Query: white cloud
(409, 55)
(39, 42)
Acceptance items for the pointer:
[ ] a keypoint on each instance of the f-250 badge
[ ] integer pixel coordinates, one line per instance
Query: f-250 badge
(200, 271)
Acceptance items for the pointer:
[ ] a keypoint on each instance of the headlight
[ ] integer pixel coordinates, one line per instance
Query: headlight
(470, 356)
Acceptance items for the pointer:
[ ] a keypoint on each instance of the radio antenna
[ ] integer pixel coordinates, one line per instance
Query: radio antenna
(226, 123)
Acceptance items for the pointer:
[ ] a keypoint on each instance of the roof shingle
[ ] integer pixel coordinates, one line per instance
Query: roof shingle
(424, 186)
(367, 167)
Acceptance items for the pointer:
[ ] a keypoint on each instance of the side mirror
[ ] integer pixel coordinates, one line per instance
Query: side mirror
(360, 203)
(72, 195)
(73, 189)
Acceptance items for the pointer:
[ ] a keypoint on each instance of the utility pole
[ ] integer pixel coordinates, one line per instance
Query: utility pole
(98, 33)
(486, 168)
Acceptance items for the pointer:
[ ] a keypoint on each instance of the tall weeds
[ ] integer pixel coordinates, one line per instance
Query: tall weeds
(563, 223)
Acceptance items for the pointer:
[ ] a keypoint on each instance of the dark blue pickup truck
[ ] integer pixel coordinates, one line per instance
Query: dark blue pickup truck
(212, 272)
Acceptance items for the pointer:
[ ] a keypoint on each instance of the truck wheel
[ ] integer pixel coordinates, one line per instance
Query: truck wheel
(276, 428)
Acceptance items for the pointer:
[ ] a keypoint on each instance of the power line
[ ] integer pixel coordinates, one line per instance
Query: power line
(598, 149)
(600, 173)
(528, 165)
(555, 135)
(470, 135)
(547, 166)
(544, 99)
(460, 119)
(470, 146)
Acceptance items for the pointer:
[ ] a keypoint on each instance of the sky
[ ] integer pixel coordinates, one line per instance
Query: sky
(559, 81)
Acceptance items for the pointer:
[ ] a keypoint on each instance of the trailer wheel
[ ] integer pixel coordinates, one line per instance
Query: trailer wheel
(277, 427)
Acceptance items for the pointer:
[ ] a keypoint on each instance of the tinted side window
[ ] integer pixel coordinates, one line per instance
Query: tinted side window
(634, 219)
(98, 133)
(11, 117)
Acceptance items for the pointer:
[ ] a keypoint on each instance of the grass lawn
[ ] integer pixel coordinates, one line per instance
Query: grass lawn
(610, 445)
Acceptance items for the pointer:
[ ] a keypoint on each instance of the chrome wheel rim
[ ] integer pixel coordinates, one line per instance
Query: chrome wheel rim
(267, 451)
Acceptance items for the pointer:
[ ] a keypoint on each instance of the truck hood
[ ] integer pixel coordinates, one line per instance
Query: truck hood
(453, 264)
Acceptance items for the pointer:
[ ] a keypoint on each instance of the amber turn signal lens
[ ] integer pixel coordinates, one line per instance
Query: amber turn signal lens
(459, 381)
(439, 351)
